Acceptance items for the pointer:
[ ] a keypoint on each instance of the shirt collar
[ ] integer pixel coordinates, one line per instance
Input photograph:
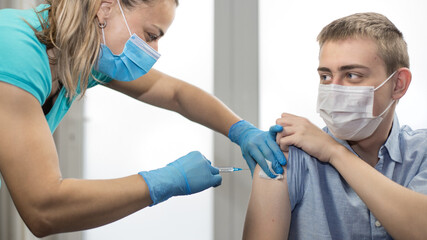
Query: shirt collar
(391, 144)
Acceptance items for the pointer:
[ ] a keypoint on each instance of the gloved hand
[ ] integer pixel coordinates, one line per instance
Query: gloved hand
(257, 146)
(189, 174)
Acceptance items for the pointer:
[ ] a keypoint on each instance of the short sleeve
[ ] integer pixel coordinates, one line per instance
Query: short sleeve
(23, 59)
(419, 182)
(413, 151)
(297, 172)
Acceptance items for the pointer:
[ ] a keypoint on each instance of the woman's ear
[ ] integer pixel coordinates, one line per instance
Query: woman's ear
(403, 80)
(105, 10)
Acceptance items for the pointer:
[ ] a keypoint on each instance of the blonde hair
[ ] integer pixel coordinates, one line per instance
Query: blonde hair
(72, 31)
(392, 48)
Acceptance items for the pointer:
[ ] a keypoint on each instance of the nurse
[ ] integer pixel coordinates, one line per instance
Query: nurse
(49, 56)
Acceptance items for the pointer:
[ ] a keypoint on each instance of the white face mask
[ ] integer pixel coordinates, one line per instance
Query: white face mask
(348, 110)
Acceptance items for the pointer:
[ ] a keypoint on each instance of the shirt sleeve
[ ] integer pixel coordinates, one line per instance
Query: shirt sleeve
(419, 182)
(23, 59)
(297, 172)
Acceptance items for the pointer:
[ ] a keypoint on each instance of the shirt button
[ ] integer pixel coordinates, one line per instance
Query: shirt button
(377, 223)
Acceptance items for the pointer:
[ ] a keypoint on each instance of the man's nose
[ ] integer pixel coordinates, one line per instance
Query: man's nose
(337, 80)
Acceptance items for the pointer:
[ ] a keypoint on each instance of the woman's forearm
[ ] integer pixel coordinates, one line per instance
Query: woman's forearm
(401, 211)
(72, 205)
(201, 107)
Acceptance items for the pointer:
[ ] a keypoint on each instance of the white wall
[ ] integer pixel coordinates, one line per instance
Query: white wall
(289, 51)
(124, 136)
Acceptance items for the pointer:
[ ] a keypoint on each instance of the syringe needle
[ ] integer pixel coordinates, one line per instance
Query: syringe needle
(229, 169)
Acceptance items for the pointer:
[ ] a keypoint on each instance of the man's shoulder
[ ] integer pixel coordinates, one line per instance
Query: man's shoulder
(416, 139)
(405, 129)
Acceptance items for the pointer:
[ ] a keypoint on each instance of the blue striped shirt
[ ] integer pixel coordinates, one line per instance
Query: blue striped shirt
(324, 206)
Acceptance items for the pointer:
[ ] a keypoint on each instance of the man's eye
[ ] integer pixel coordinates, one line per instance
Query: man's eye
(325, 77)
(352, 76)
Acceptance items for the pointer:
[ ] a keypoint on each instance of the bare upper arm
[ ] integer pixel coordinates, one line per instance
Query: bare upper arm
(268, 215)
(28, 158)
(155, 88)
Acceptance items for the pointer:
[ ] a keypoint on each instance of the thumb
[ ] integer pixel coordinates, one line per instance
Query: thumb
(216, 180)
(274, 130)
(213, 170)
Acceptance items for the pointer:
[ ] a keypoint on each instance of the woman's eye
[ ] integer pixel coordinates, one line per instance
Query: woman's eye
(152, 37)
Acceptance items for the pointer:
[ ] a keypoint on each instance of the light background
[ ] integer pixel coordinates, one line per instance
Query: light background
(124, 136)
(289, 54)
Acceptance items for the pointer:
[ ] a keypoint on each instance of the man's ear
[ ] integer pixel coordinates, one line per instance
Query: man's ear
(105, 10)
(404, 77)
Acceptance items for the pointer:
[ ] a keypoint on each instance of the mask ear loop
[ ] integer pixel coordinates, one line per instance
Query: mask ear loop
(388, 107)
(121, 10)
(385, 81)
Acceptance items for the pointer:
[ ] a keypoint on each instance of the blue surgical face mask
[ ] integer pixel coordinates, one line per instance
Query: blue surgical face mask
(136, 59)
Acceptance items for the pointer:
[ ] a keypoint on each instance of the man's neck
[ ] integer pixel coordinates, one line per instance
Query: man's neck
(368, 148)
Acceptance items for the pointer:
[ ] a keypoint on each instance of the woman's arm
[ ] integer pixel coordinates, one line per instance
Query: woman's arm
(29, 164)
(164, 91)
(269, 212)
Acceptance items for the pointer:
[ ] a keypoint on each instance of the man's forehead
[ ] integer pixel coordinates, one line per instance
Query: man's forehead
(350, 52)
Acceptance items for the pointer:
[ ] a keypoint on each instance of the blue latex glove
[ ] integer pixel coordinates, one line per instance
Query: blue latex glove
(189, 174)
(257, 146)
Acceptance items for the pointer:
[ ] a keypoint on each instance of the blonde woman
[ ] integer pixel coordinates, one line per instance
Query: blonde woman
(49, 56)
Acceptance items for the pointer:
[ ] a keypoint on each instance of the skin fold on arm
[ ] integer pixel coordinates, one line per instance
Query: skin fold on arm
(269, 212)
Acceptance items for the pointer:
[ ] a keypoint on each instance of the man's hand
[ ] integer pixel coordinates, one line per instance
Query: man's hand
(300, 132)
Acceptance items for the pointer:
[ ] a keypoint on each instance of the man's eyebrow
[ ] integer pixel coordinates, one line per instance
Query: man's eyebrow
(161, 32)
(342, 68)
(350, 67)
(323, 69)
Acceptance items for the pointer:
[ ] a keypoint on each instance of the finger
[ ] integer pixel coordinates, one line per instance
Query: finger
(216, 180)
(213, 170)
(251, 162)
(260, 159)
(283, 146)
(274, 130)
(286, 142)
(287, 119)
(269, 155)
(287, 115)
(278, 154)
(281, 122)
(289, 130)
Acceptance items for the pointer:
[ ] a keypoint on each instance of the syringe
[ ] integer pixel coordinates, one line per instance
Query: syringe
(229, 169)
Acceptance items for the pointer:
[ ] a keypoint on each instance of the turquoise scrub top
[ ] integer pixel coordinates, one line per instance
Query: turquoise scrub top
(25, 64)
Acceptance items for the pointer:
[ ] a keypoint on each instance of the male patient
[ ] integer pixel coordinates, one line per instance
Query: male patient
(366, 177)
